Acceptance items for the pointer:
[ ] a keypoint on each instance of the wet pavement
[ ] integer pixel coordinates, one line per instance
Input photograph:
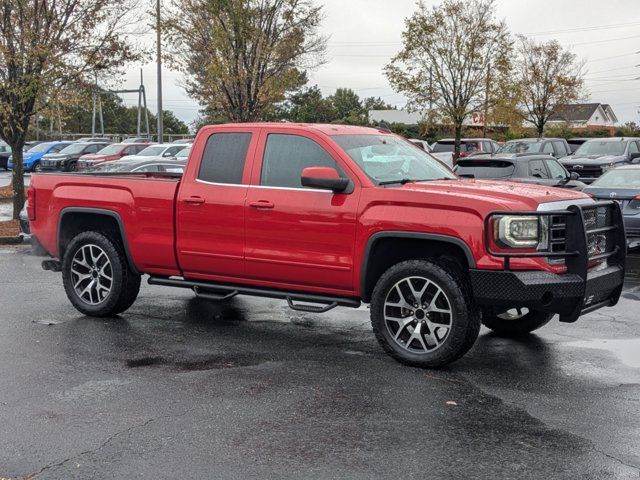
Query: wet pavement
(183, 388)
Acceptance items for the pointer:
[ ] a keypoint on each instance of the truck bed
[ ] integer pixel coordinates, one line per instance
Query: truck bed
(142, 204)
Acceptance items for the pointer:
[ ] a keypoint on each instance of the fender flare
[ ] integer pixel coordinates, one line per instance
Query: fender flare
(99, 211)
(458, 242)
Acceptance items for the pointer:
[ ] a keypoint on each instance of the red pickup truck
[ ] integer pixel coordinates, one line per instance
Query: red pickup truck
(326, 216)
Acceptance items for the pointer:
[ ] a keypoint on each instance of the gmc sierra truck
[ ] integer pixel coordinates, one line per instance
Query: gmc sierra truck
(325, 216)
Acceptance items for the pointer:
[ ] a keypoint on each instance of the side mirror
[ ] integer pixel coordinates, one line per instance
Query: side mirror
(574, 176)
(326, 178)
(633, 156)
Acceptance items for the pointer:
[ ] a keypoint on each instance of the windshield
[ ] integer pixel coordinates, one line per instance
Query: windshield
(74, 148)
(599, 147)
(484, 168)
(111, 150)
(386, 158)
(183, 153)
(619, 178)
(151, 151)
(42, 147)
(520, 147)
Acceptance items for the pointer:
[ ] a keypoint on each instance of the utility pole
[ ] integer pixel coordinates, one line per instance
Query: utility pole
(486, 103)
(159, 65)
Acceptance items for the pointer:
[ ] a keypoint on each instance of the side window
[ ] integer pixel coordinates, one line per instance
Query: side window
(92, 149)
(285, 156)
(633, 147)
(57, 148)
(537, 169)
(556, 170)
(170, 152)
(224, 157)
(548, 148)
(134, 149)
(561, 151)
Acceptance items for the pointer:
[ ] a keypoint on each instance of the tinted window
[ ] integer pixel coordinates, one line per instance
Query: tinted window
(633, 147)
(561, 150)
(485, 168)
(285, 157)
(57, 148)
(93, 148)
(171, 151)
(518, 146)
(556, 170)
(224, 157)
(443, 147)
(537, 170)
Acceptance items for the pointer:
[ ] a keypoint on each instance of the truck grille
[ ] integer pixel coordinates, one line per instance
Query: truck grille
(587, 171)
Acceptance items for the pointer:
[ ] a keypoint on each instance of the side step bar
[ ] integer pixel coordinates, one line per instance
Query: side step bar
(219, 292)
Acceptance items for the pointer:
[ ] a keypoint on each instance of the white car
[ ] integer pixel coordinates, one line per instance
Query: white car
(162, 150)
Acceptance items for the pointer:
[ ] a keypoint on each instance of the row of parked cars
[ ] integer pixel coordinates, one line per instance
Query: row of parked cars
(605, 168)
(136, 154)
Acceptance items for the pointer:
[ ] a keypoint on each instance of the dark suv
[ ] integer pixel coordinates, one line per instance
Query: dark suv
(443, 149)
(521, 167)
(599, 155)
(556, 147)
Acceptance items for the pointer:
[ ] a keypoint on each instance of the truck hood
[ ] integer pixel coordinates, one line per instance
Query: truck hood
(592, 159)
(505, 195)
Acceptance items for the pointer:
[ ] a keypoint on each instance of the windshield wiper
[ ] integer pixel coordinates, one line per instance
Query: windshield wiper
(404, 181)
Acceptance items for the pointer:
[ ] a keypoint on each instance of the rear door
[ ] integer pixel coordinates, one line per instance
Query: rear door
(299, 236)
(210, 204)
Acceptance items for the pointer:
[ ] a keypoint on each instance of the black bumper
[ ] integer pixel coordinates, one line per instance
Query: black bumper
(566, 295)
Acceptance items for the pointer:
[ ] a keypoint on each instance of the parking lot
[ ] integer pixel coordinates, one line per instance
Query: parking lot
(251, 389)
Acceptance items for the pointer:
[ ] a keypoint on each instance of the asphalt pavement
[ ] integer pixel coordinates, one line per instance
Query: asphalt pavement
(179, 387)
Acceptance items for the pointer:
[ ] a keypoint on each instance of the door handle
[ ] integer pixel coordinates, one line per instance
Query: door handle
(262, 204)
(194, 200)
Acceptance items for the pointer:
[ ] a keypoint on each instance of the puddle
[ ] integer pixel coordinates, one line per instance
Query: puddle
(627, 350)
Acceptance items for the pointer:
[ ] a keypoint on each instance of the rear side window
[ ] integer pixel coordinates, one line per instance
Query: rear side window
(484, 168)
(443, 147)
(224, 157)
(285, 156)
(561, 150)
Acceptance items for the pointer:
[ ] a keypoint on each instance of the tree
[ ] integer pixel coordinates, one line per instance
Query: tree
(347, 105)
(45, 49)
(447, 52)
(308, 106)
(376, 103)
(242, 56)
(548, 77)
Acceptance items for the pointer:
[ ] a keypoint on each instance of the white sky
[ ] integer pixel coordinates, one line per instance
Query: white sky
(365, 34)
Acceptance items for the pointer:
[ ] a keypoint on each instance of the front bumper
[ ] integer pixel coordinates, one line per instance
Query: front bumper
(55, 165)
(549, 292)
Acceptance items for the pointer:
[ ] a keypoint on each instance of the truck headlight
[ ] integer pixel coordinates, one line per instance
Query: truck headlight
(518, 231)
(610, 166)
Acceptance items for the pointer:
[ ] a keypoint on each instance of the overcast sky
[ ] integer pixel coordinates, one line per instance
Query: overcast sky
(365, 34)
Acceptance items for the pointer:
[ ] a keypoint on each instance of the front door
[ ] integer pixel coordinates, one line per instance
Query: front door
(210, 206)
(295, 236)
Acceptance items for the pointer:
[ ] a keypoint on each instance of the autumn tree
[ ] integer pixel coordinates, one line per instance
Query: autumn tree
(448, 51)
(45, 48)
(241, 57)
(547, 76)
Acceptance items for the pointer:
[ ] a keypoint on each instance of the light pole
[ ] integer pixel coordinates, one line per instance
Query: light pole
(159, 66)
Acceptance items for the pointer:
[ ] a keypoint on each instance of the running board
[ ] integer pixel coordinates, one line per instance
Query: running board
(220, 292)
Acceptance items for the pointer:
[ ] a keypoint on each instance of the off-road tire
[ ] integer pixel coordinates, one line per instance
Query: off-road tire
(125, 284)
(532, 320)
(465, 318)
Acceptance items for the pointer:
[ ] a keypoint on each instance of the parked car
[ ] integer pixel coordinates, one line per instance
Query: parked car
(622, 184)
(535, 169)
(5, 153)
(94, 140)
(332, 216)
(140, 166)
(67, 159)
(575, 143)
(597, 156)
(32, 157)
(114, 151)
(556, 147)
(137, 140)
(421, 143)
(184, 141)
(443, 149)
(163, 150)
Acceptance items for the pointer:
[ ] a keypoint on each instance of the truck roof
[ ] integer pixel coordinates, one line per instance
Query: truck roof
(326, 128)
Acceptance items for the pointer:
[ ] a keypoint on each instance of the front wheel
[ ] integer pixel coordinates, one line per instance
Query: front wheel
(97, 277)
(36, 168)
(516, 321)
(423, 315)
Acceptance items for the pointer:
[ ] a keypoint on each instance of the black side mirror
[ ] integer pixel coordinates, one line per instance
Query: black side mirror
(634, 156)
(574, 176)
(325, 178)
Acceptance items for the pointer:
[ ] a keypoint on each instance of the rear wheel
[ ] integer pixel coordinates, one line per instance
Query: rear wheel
(516, 321)
(97, 277)
(423, 315)
(36, 167)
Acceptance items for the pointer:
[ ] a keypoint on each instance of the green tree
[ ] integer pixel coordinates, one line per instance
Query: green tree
(241, 57)
(46, 49)
(376, 103)
(447, 52)
(347, 106)
(309, 106)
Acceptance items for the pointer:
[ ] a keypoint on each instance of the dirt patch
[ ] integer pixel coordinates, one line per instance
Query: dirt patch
(6, 193)
(9, 229)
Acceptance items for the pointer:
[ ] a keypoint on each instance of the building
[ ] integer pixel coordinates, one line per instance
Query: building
(585, 116)
(414, 118)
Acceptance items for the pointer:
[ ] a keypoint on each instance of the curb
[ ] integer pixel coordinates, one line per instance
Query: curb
(10, 240)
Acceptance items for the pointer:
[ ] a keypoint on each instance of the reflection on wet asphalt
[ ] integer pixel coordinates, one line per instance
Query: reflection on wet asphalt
(181, 387)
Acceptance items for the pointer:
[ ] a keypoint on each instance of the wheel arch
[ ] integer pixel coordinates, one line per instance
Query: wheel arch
(385, 249)
(74, 220)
